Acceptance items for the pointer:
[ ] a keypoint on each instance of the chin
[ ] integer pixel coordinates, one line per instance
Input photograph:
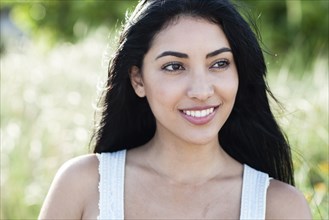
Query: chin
(203, 140)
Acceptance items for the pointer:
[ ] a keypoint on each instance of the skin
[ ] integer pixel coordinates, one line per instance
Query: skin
(177, 175)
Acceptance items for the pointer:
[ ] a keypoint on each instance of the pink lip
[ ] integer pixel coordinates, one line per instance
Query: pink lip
(198, 108)
(199, 120)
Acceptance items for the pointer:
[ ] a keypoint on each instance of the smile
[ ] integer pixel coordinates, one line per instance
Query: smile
(199, 113)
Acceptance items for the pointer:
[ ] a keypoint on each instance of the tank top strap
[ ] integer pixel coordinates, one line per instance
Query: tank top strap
(253, 198)
(111, 185)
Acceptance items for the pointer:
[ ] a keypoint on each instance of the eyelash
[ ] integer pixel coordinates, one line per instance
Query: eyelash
(222, 64)
(172, 64)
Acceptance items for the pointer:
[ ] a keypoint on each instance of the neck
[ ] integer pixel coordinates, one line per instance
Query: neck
(185, 163)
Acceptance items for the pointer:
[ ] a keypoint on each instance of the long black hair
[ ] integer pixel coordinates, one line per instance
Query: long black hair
(251, 134)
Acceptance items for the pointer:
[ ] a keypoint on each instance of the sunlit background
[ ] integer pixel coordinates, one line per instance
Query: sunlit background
(53, 62)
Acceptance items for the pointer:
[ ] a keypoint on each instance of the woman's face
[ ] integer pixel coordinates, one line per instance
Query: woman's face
(190, 80)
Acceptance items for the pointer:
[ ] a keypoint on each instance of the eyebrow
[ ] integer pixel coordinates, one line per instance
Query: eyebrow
(183, 55)
(172, 53)
(216, 52)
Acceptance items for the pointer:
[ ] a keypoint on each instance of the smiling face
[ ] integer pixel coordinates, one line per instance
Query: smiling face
(190, 81)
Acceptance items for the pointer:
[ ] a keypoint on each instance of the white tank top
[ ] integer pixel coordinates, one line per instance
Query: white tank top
(111, 189)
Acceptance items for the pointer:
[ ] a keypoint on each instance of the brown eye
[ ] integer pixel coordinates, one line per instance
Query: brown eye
(221, 64)
(171, 67)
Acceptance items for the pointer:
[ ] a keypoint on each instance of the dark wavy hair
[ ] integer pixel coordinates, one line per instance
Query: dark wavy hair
(251, 134)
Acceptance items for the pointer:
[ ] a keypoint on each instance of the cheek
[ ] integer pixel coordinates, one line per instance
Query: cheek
(234, 87)
(228, 87)
(162, 93)
(233, 82)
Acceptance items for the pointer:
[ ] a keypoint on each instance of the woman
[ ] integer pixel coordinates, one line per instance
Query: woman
(186, 130)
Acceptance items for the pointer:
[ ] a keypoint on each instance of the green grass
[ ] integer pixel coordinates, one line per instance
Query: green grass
(305, 121)
(47, 110)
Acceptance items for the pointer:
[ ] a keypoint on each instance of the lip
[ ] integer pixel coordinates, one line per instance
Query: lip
(199, 120)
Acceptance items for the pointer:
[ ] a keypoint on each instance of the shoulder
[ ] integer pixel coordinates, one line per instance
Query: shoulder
(75, 182)
(80, 168)
(82, 165)
(285, 202)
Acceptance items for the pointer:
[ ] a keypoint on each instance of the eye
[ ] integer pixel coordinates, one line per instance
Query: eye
(221, 64)
(172, 67)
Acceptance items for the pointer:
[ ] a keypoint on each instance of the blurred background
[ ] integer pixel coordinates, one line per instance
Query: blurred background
(54, 57)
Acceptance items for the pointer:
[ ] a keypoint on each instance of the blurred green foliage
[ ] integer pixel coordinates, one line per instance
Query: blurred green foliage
(65, 20)
(290, 26)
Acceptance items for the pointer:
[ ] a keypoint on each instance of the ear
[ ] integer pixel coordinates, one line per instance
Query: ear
(137, 81)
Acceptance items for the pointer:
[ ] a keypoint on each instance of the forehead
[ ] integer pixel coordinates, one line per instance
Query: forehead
(188, 31)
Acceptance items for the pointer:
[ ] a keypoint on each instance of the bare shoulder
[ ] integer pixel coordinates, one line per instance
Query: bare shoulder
(74, 185)
(85, 165)
(286, 202)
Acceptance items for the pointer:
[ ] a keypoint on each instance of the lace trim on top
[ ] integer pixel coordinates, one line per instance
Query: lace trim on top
(111, 189)
(253, 198)
(111, 185)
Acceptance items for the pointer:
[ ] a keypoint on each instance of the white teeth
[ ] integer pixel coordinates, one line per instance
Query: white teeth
(199, 113)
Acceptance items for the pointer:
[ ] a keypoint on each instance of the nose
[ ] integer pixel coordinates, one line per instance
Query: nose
(200, 87)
